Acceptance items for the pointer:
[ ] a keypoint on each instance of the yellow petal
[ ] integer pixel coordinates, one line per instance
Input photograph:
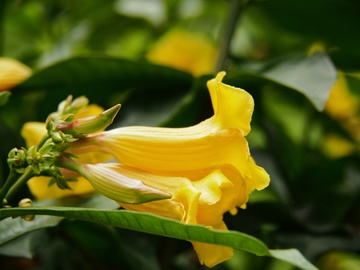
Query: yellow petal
(233, 107)
(210, 187)
(183, 204)
(260, 179)
(12, 73)
(210, 254)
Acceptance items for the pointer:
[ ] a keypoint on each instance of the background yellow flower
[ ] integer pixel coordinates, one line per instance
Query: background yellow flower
(12, 73)
(181, 49)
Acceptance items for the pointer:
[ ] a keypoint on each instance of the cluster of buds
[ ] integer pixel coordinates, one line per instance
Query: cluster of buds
(53, 156)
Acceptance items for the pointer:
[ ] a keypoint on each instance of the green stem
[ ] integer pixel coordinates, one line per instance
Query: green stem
(236, 7)
(3, 4)
(64, 161)
(8, 184)
(43, 141)
(20, 182)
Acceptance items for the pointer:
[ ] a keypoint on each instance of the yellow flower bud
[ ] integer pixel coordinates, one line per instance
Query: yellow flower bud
(12, 73)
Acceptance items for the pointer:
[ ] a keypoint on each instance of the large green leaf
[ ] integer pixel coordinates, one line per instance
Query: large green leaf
(149, 223)
(154, 89)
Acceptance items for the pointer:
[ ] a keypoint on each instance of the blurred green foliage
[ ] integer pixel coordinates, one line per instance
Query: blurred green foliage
(285, 53)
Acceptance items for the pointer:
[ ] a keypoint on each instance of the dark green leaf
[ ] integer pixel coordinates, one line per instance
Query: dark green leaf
(12, 229)
(149, 223)
(4, 97)
(149, 93)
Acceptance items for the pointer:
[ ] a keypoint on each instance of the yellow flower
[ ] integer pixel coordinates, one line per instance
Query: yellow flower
(341, 104)
(207, 168)
(12, 73)
(185, 51)
(33, 132)
(344, 108)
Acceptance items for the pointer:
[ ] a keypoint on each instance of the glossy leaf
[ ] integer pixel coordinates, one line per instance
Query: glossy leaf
(313, 76)
(148, 223)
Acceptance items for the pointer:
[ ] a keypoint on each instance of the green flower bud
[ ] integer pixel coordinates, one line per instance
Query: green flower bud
(91, 124)
(17, 159)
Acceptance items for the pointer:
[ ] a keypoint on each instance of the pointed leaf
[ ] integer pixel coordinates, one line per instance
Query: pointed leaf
(313, 76)
(149, 223)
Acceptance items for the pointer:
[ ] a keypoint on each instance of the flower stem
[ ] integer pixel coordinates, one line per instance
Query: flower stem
(20, 182)
(236, 8)
(8, 184)
(64, 161)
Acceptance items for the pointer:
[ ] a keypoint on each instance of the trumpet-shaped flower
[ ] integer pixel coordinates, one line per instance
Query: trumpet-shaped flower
(33, 132)
(186, 51)
(207, 168)
(12, 72)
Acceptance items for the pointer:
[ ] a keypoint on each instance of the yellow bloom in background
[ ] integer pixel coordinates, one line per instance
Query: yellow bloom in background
(12, 73)
(341, 105)
(186, 51)
(344, 108)
(33, 132)
(207, 168)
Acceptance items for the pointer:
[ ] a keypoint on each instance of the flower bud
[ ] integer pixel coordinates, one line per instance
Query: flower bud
(91, 124)
(107, 179)
(17, 159)
(26, 203)
(12, 73)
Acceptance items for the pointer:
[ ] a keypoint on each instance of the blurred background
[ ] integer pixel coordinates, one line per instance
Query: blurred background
(300, 60)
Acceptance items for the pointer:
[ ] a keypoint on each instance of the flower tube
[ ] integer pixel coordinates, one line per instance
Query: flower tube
(206, 168)
(174, 151)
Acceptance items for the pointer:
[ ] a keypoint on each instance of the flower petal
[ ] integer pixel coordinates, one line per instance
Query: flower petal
(233, 107)
(210, 187)
(210, 254)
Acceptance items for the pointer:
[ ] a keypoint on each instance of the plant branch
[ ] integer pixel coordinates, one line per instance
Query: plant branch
(236, 8)
(8, 184)
(20, 182)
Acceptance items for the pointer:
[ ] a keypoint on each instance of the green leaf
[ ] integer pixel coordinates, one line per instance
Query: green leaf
(4, 97)
(149, 93)
(149, 223)
(17, 229)
(313, 76)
